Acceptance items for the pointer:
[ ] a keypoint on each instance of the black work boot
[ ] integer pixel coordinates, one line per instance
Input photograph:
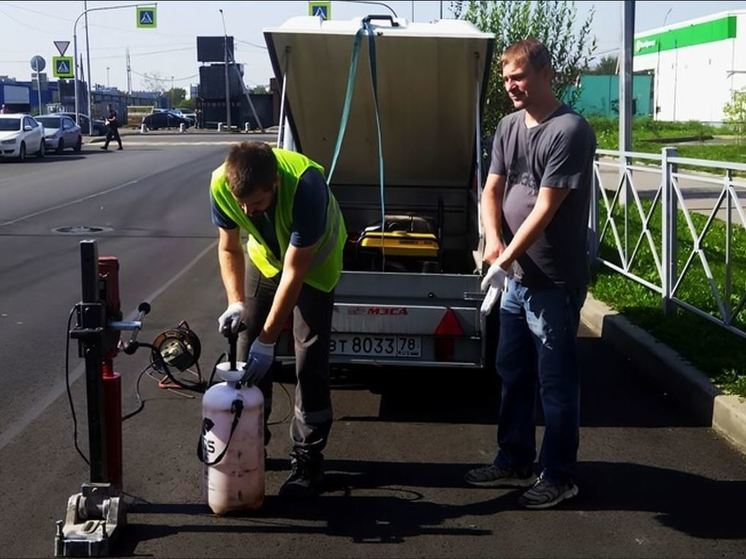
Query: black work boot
(306, 473)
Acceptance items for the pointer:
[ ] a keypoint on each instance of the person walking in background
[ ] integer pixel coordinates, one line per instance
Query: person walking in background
(112, 132)
(535, 209)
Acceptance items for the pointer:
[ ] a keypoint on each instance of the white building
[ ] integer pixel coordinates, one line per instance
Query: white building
(697, 65)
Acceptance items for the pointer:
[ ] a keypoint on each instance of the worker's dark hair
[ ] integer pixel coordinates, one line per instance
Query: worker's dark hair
(528, 50)
(250, 166)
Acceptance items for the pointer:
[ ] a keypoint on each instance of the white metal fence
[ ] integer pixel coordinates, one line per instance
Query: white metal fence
(667, 221)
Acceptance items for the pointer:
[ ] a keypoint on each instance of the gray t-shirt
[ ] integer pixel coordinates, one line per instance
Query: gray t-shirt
(557, 153)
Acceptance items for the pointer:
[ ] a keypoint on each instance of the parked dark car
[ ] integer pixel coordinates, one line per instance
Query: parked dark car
(165, 119)
(99, 126)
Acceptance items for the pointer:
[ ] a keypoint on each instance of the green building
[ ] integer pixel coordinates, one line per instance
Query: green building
(599, 95)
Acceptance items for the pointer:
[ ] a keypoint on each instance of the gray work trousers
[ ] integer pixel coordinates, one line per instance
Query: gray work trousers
(312, 322)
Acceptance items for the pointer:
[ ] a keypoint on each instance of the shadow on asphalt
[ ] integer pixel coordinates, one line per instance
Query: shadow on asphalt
(388, 508)
(612, 394)
(392, 502)
(51, 157)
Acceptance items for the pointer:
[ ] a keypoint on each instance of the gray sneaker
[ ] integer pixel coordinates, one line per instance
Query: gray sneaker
(498, 476)
(545, 494)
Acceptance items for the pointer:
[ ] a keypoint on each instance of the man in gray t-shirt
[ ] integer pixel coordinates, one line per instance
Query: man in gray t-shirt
(555, 153)
(535, 215)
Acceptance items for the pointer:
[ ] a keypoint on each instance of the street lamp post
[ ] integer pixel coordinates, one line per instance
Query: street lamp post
(227, 82)
(75, 46)
(665, 18)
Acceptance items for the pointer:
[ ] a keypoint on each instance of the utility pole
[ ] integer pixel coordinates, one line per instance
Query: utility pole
(75, 48)
(88, 58)
(625, 106)
(227, 82)
(129, 73)
(625, 81)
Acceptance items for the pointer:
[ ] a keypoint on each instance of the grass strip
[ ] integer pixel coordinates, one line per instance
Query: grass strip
(712, 349)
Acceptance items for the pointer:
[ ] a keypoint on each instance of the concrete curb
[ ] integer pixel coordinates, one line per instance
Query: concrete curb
(686, 385)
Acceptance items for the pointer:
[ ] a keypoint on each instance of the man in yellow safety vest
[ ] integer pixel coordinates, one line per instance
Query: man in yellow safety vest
(296, 236)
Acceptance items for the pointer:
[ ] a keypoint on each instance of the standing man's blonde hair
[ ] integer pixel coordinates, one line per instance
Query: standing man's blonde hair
(528, 50)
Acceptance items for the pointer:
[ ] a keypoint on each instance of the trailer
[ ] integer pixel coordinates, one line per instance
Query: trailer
(391, 109)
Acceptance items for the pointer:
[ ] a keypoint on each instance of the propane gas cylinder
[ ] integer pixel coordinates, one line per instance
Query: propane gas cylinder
(233, 443)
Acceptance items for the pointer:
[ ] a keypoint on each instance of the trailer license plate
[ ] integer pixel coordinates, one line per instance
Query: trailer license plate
(383, 346)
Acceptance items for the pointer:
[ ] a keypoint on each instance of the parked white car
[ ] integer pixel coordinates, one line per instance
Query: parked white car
(20, 136)
(60, 132)
(190, 116)
(185, 114)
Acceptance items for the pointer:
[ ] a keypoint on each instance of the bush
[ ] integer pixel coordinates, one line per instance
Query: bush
(735, 113)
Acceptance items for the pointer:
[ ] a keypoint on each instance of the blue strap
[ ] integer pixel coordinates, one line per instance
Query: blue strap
(374, 85)
(351, 75)
(365, 28)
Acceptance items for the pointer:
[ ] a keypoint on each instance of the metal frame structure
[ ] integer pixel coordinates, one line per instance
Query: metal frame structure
(669, 198)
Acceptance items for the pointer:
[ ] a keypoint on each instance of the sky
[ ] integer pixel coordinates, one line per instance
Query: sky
(169, 52)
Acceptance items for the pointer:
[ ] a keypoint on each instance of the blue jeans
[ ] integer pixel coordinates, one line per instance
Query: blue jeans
(538, 330)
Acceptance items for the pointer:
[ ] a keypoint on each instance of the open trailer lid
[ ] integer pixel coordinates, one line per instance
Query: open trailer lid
(431, 77)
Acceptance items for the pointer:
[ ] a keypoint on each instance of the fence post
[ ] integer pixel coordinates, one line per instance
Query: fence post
(593, 216)
(729, 233)
(668, 229)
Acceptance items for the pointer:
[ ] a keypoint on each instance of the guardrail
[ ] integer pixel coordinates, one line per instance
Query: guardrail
(660, 222)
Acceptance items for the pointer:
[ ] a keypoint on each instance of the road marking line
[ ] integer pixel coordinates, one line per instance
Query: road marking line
(60, 388)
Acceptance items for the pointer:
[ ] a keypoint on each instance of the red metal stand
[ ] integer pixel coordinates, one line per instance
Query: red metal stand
(108, 273)
(113, 411)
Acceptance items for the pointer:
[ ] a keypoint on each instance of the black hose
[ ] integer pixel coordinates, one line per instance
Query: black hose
(67, 384)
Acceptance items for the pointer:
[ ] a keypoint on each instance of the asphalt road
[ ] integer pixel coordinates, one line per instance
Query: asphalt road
(152, 204)
(653, 483)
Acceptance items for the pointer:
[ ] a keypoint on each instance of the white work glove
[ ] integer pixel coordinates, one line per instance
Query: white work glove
(494, 282)
(261, 357)
(233, 316)
(496, 277)
(489, 300)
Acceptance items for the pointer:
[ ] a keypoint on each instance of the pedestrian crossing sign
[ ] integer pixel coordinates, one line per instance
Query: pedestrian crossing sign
(320, 9)
(146, 18)
(62, 66)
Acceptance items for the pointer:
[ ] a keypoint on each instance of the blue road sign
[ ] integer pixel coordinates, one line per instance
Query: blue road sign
(62, 66)
(146, 18)
(320, 9)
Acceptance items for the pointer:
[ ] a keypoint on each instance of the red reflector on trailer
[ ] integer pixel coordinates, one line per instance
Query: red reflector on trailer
(445, 334)
(449, 325)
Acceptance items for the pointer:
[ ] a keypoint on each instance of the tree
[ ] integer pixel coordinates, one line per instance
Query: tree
(188, 104)
(175, 96)
(735, 113)
(607, 65)
(552, 23)
(260, 89)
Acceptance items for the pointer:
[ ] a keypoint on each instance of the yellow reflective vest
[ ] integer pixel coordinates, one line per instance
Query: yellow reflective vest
(326, 266)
